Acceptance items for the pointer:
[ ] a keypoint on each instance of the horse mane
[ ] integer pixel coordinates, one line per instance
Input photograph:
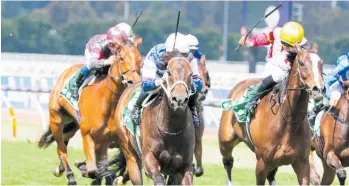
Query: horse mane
(281, 87)
(128, 43)
(169, 55)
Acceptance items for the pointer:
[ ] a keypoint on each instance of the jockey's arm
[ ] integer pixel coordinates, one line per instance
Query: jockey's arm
(262, 39)
(196, 75)
(148, 75)
(197, 54)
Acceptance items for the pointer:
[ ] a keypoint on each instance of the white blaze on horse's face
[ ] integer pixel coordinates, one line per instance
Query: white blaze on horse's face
(316, 60)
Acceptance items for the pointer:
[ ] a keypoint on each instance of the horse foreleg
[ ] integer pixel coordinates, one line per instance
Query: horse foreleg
(152, 169)
(133, 165)
(314, 176)
(187, 179)
(328, 175)
(302, 169)
(333, 161)
(57, 130)
(89, 149)
(102, 162)
(199, 171)
(227, 141)
(271, 177)
(262, 172)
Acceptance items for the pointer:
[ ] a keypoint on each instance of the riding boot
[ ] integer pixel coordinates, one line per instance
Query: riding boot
(79, 80)
(262, 90)
(192, 106)
(138, 106)
(313, 112)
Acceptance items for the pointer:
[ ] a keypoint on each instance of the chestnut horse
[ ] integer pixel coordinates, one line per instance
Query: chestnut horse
(280, 132)
(333, 146)
(199, 131)
(97, 103)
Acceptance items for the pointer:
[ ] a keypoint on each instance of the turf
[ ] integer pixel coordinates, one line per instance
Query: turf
(25, 164)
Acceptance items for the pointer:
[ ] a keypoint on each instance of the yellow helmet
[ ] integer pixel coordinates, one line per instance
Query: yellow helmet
(291, 33)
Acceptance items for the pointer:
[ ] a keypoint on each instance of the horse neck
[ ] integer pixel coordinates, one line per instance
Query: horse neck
(172, 121)
(295, 104)
(113, 87)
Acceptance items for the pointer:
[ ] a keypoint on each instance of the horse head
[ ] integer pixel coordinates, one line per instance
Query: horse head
(308, 65)
(127, 64)
(178, 80)
(205, 78)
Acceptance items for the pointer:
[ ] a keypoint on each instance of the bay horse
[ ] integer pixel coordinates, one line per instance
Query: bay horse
(280, 132)
(199, 131)
(333, 144)
(130, 155)
(97, 103)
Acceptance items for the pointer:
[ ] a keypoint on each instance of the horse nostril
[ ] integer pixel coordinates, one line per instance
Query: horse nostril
(315, 88)
(130, 82)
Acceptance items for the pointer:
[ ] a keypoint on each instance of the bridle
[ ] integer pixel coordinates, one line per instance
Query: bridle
(122, 75)
(168, 89)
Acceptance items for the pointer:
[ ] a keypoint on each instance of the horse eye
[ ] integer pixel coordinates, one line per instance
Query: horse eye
(169, 73)
(301, 63)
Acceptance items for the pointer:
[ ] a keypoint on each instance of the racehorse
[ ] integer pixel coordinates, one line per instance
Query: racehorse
(279, 131)
(199, 131)
(130, 142)
(332, 146)
(167, 129)
(97, 103)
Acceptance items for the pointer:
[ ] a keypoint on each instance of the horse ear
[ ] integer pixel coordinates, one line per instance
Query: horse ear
(138, 42)
(315, 47)
(118, 44)
(298, 47)
(203, 59)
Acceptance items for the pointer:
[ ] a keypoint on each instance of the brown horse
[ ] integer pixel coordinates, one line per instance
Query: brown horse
(280, 132)
(333, 145)
(199, 131)
(129, 141)
(97, 103)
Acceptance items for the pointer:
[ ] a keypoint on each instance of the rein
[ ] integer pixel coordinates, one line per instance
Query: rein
(123, 77)
(168, 91)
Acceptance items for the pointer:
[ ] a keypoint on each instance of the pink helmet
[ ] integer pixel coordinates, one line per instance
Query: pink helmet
(114, 33)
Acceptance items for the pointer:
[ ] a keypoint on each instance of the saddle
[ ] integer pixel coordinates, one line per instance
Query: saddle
(66, 92)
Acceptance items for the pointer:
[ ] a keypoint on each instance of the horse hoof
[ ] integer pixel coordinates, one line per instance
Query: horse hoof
(199, 171)
(73, 182)
(57, 172)
(92, 174)
(118, 180)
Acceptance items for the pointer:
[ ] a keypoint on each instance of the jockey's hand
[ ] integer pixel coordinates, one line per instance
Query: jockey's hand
(158, 82)
(110, 60)
(333, 102)
(245, 42)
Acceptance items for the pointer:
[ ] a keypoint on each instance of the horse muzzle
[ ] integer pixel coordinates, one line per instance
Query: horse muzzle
(179, 102)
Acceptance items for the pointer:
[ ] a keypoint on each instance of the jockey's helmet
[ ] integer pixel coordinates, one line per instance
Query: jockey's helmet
(291, 33)
(126, 28)
(181, 43)
(114, 33)
(193, 42)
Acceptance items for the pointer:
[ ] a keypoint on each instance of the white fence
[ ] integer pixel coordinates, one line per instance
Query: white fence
(26, 79)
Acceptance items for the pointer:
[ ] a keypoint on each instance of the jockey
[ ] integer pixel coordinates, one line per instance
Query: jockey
(98, 52)
(127, 29)
(335, 82)
(194, 46)
(154, 68)
(282, 41)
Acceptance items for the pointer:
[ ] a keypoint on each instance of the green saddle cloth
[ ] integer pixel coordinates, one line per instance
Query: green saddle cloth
(127, 119)
(238, 106)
